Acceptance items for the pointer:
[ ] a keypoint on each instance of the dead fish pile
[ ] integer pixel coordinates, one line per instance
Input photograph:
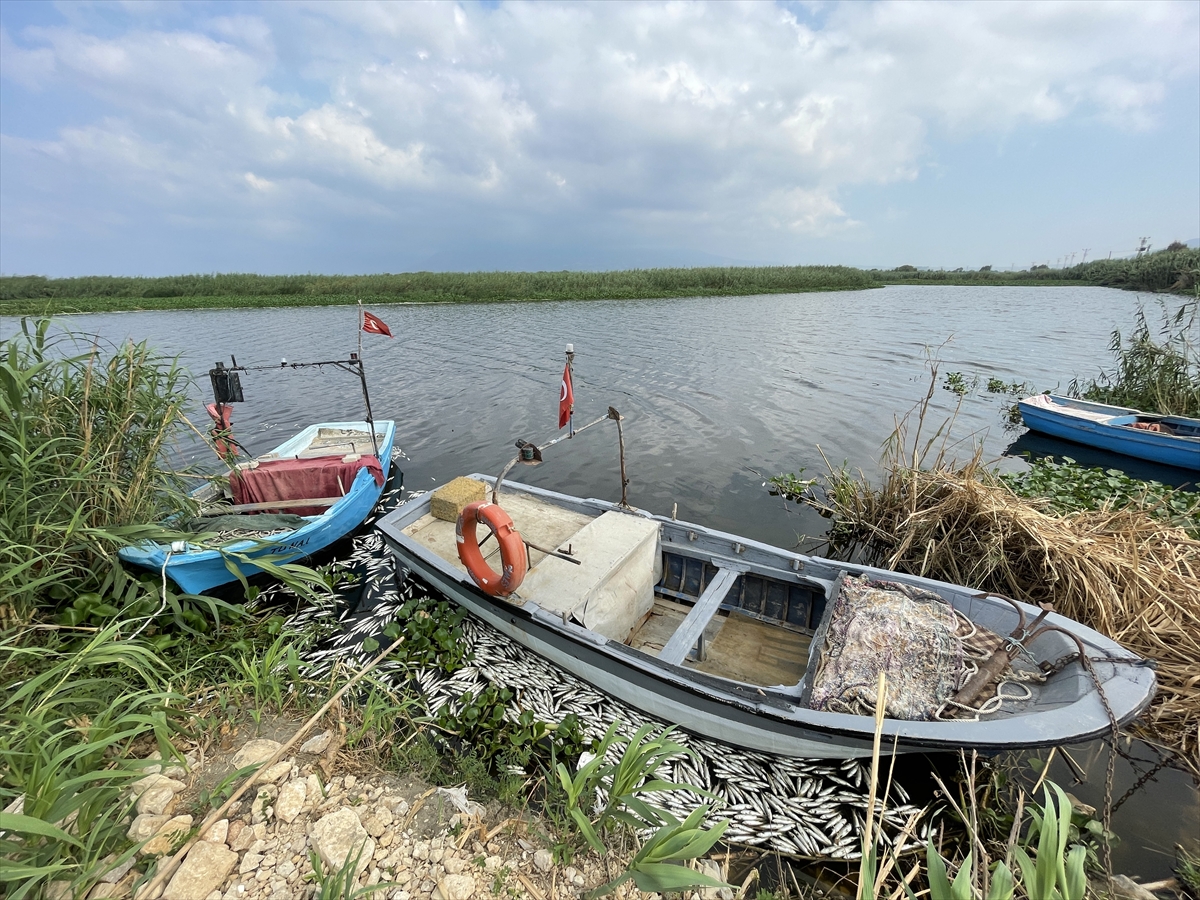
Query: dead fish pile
(805, 808)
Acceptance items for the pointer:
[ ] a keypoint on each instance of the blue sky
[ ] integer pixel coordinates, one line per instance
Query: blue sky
(147, 138)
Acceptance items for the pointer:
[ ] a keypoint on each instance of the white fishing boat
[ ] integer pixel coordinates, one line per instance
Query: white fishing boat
(760, 647)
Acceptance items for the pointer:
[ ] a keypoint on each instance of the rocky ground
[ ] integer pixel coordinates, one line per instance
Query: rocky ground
(307, 812)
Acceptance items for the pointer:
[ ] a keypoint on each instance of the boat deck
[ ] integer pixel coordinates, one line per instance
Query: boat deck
(735, 645)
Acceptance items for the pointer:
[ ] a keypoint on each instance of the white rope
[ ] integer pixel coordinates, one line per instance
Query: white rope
(162, 605)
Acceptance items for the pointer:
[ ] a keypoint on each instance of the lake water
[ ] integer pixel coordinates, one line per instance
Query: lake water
(717, 394)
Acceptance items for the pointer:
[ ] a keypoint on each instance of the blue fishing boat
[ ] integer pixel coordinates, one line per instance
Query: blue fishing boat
(311, 490)
(1170, 440)
(281, 506)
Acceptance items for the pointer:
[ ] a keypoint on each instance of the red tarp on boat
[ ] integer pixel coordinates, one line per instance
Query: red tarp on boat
(300, 479)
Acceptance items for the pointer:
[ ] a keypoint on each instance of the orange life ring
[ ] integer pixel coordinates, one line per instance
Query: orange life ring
(513, 559)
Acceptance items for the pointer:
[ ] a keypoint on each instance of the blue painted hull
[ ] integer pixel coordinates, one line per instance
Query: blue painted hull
(196, 571)
(1108, 428)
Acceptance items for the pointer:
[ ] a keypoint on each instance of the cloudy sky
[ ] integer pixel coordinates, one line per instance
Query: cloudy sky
(159, 137)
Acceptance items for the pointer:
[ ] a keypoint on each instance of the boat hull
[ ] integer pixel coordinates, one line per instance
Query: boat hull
(1112, 435)
(196, 571)
(771, 720)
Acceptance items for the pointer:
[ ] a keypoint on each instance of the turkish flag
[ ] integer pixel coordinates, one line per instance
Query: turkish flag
(566, 398)
(375, 325)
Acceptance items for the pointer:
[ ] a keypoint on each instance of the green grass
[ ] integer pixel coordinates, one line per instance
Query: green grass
(34, 295)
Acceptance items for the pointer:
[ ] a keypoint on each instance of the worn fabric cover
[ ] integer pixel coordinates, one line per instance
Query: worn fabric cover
(906, 632)
(300, 479)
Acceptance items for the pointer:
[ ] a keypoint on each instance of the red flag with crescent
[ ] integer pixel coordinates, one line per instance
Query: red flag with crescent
(566, 398)
(374, 325)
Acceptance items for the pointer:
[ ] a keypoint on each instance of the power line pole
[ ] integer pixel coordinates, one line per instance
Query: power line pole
(1085, 253)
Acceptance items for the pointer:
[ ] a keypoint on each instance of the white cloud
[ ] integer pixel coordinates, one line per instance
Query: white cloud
(259, 184)
(736, 120)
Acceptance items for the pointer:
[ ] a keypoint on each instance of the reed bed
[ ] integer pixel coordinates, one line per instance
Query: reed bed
(82, 436)
(35, 294)
(1120, 571)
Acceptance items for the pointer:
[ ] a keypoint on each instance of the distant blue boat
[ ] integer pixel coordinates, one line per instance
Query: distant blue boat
(1171, 440)
(326, 480)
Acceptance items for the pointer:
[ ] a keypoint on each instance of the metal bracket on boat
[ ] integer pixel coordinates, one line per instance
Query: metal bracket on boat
(530, 453)
(223, 378)
(558, 554)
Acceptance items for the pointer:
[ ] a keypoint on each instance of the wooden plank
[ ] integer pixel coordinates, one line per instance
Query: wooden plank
(707, 604)
(755, 652)
(270, 504)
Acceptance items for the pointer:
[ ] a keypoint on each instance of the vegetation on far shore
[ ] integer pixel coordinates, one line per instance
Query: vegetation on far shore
(1165, 271)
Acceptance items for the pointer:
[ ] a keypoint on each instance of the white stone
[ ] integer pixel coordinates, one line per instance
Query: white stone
(316, 792)
(455, 887)
(277, 772)
(241, 835)
(318, 743)
(543, 860)
(156, 800)
(256, 751)
(154, 779)
(167, 838)
(203, 871)
(146, 826)
(250, 863)
(218, 832)
(261, 809)
(291, 799)
(122, 888)
(338, 836)
(116, 873)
